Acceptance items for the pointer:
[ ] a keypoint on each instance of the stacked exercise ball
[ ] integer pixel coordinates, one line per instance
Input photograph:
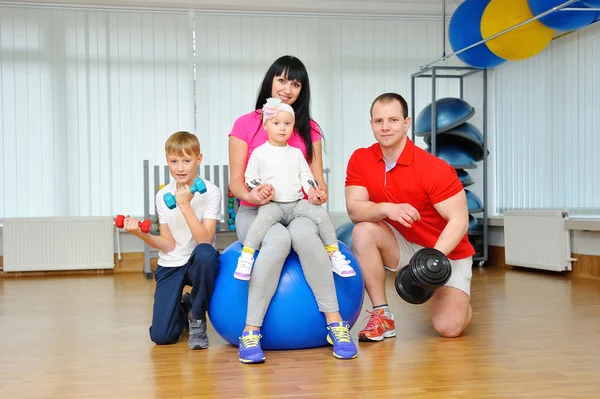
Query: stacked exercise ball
(231, 211)
(475, 20)
(459, 143)
(562, 20)
(232, 206)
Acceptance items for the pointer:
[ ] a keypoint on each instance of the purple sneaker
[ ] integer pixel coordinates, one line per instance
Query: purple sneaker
(338, 334)
(249, 347)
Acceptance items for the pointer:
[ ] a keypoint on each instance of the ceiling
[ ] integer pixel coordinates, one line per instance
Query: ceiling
(423, 8)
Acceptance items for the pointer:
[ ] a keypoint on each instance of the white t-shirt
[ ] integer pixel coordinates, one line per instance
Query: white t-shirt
(285, 168)
(207, 205)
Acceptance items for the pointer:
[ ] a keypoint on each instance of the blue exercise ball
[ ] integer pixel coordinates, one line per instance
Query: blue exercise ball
(466, 136)
(473, 202)
(474, 225)
(465, 178)
(450, 112)
(456, 156)
(293, 320)
(591, 3)
(464, 30)
(344, 233)
(562, 20)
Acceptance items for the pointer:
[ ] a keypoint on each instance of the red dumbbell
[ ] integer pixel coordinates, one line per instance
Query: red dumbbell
(144, 226)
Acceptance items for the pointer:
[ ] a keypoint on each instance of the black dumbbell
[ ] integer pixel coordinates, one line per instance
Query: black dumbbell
(427, 270)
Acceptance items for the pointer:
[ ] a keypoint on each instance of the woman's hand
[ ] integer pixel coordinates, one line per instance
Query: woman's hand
(262, 194)
(317, 196)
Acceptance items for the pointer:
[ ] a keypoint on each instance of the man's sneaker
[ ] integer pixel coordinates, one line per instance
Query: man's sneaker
(244, 266)
(338, 335)
(249, 347)
(198, 338)
(379, 327)
(341, 265)
(187, 306)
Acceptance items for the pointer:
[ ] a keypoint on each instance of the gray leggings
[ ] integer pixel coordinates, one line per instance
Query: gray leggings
(302, 235)
(284, 213)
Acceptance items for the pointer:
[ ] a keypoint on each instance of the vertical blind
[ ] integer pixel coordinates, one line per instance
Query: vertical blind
(547, 127)
(84, 97)
(87, 95)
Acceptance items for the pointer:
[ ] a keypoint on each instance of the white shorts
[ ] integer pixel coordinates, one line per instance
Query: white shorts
(462, 269)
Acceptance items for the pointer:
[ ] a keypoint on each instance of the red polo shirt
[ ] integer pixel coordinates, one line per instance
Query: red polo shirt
(419, 179)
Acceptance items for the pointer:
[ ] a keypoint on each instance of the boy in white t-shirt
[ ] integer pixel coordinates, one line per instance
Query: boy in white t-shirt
(287, 173)
(187, 255)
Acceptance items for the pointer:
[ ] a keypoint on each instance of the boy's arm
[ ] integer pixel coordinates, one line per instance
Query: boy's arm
(204, 232)
(212, 212)
(165, 242)
(199, 230)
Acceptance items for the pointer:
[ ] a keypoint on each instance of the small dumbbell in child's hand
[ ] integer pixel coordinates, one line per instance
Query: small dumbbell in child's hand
(134, 226)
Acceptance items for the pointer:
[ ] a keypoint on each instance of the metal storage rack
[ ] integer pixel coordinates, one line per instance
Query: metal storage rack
(459, 72)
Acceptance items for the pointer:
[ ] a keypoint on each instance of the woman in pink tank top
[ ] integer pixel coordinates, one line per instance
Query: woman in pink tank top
(286, 79)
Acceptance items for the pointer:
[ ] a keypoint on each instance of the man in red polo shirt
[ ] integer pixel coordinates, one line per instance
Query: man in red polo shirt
(402, 199)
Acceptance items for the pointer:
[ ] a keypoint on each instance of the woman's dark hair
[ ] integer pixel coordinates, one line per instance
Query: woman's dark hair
(291, 68)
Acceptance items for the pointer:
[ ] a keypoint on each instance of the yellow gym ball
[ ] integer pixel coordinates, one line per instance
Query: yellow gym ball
(161, 187)
(520, 43)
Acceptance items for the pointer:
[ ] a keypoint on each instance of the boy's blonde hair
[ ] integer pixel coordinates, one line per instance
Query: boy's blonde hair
(182, 143)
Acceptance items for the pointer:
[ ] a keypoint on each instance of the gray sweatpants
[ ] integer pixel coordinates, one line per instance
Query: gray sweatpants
(302, 235)
(284, 213)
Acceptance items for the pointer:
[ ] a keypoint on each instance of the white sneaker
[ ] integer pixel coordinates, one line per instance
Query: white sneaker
(244, 266)
(341, 265)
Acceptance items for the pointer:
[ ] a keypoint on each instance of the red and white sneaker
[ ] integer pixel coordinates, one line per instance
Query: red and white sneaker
(379, 327)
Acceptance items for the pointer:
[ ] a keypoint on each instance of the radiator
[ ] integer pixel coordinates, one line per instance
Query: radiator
(61, 243)
(537, 239)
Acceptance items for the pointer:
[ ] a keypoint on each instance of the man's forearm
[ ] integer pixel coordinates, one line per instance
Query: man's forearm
(452, 234)
(367, 211)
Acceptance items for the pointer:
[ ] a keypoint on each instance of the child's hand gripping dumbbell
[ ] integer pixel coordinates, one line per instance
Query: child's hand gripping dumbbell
(144, 226)
(198, 186)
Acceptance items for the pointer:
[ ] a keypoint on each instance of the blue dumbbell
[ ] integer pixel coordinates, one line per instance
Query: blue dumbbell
(197, 187)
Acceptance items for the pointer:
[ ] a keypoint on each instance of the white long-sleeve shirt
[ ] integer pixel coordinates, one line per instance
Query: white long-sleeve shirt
(285, 168)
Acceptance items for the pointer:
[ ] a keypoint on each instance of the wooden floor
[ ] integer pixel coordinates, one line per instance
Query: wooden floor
(533, 336)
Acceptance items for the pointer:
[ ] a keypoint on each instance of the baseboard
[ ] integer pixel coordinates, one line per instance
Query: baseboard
(132, 262)
(586, 266)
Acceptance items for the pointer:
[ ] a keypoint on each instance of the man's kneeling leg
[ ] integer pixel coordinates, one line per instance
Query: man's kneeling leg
(450, 306)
